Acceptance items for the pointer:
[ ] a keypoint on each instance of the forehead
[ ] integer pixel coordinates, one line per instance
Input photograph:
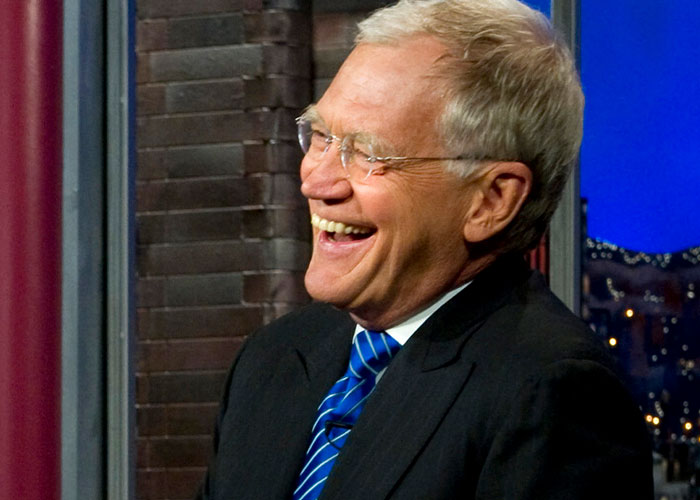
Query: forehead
(386, 90)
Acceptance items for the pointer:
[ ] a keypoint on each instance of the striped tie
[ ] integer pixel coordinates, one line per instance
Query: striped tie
(370, 354)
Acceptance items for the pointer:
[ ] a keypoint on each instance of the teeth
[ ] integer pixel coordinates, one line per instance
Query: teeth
(336, 227)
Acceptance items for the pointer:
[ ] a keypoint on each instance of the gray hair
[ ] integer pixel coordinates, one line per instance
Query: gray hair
(512, 92)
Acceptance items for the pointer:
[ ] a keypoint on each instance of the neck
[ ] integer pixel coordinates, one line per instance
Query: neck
(387, 317)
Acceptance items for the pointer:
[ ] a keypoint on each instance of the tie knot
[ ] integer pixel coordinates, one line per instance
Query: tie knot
(371, 353)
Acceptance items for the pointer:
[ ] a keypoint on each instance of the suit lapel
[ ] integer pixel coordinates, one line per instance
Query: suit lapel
(417, 390)
(398, 420)
(302, 376)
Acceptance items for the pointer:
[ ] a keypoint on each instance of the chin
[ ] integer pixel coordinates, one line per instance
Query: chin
(323, 288)
(335, 289)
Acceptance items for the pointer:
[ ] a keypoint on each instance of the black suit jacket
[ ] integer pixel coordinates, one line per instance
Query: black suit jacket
(501, 394)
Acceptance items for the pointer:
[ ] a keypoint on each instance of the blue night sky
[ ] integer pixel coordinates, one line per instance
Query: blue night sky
(640, 159)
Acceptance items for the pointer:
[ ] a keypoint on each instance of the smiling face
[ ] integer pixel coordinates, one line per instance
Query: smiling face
(386, 246)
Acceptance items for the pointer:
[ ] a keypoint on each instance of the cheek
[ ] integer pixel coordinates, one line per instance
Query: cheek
(416, 210)
(388, 202)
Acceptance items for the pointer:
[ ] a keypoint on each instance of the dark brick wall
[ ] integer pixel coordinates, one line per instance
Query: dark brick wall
(223, 233)
(333, 35)
(334, 29)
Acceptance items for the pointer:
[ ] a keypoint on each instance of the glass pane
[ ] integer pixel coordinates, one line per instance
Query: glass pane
(641, 275)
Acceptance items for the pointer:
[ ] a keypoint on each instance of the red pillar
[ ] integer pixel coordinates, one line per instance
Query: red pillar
(30, 243)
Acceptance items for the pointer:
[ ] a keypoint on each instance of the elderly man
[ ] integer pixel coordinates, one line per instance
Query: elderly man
(434, 364)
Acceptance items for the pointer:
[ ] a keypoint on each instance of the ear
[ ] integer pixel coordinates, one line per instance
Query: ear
(497, 197)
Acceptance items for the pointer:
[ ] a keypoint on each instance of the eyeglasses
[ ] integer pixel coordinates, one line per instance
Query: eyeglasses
(358, 158)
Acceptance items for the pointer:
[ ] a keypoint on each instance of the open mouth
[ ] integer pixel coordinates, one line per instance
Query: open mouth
(339, 231)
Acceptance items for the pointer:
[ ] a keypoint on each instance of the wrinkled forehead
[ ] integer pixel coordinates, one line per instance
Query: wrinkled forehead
(396, 76)
(389, 91)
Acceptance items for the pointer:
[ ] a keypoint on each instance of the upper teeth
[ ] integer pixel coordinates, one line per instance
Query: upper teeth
(336, 227)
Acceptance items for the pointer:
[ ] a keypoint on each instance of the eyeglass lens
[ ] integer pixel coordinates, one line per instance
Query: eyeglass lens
(315, 144)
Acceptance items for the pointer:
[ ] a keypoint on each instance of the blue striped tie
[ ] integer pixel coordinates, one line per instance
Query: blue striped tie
(370, 354)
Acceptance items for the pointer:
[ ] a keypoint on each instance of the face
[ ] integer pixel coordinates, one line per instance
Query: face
(388, 245)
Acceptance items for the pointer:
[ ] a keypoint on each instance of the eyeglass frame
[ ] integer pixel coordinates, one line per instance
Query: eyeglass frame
(347, 150)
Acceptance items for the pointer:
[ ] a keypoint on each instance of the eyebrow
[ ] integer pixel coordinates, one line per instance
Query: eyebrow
(380, 147)
(311, 114)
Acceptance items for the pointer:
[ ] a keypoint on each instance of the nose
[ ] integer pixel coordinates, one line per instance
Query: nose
(325, 180)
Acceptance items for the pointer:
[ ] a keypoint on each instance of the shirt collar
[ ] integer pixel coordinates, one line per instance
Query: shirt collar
(403, 331)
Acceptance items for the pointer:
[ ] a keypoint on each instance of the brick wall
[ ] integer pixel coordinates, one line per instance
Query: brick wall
(334, 29)
(223, 233)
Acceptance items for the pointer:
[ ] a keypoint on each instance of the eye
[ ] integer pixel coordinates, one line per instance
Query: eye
(364, 157)
(319, 139)
(362, 149)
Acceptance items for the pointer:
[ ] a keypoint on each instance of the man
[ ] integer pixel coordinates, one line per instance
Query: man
(432, 163)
